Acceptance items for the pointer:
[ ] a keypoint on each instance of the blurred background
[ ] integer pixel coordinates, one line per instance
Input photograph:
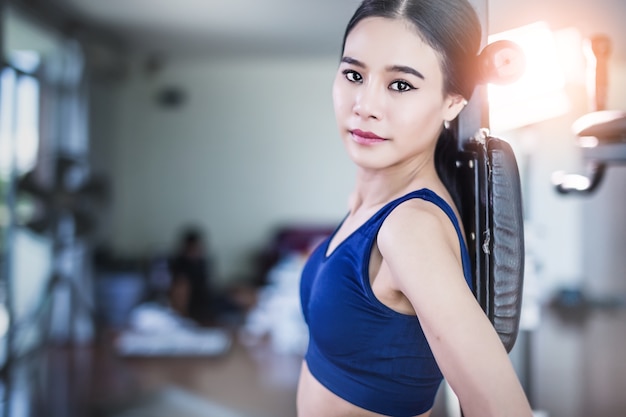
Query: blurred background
(165, 167)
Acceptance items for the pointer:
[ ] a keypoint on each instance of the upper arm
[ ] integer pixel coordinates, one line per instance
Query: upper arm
(418, 245)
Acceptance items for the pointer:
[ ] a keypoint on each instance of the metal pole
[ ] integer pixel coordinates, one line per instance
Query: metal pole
(476, 113)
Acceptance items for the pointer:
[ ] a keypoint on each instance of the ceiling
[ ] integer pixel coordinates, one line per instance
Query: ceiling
(301, 27)
(221, 26)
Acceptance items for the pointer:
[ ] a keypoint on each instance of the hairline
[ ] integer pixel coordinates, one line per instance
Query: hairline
(398, 16)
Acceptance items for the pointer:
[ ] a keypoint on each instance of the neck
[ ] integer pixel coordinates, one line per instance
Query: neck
(377, 187)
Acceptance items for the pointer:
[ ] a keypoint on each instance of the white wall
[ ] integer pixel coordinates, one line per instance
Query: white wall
(255, 145)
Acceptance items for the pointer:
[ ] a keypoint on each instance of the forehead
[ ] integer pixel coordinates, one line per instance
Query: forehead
(380, 41)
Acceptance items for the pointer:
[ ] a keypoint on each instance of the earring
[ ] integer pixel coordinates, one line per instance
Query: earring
(446, 124)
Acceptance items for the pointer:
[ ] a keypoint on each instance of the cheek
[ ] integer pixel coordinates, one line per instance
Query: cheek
(418, 121)
(341, 99)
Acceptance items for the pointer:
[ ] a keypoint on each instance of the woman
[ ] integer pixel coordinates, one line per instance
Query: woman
(388, 296)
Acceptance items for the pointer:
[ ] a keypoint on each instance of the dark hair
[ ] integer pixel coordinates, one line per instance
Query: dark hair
(452, 29)
(191, 236)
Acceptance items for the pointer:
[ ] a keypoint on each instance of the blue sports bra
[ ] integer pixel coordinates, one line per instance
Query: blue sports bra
(360, 349)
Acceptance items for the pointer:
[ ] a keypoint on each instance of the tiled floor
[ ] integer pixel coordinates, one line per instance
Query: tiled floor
(578, 368)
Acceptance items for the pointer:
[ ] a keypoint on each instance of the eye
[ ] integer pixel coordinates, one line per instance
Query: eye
(401, 86)
(352, 76)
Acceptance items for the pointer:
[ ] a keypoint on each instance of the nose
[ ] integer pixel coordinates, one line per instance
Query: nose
(368, 102)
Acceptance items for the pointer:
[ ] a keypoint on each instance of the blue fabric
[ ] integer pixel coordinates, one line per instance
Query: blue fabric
(360, 349)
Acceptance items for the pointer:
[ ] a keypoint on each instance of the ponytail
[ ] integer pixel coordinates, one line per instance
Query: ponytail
(446, 153)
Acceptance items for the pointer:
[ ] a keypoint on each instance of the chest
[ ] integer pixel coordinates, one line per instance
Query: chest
(342, 303)
(373, 273)
(349, 227)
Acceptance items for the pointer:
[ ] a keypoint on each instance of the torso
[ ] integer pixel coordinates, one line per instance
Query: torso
(314, 399)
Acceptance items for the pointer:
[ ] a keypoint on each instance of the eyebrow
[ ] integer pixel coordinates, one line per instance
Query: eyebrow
(394, 68)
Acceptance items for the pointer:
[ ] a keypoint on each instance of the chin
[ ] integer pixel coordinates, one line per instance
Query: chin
(369, 161)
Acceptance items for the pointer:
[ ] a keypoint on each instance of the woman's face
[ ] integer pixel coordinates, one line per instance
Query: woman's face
(388, 95)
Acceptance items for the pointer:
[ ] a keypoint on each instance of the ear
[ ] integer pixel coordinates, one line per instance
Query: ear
(453, 105)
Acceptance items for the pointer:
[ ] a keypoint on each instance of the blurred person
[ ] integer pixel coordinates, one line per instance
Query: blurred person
(191, 293)
(387, 297)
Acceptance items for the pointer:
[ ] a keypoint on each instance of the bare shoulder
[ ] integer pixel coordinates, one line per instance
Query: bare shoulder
(417, 223)
(420, 246)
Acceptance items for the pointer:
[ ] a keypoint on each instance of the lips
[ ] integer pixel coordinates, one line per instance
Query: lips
(366, 138)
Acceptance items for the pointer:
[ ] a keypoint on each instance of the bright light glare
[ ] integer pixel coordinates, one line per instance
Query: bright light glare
(539, 94)
(571, 181)
(588, 141)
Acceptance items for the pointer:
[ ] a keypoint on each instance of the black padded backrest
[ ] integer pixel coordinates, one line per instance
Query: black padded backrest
(492, 216)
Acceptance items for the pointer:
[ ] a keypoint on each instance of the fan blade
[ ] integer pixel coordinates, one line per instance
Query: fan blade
(28, 184)
(41, 224)
(96, 188)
